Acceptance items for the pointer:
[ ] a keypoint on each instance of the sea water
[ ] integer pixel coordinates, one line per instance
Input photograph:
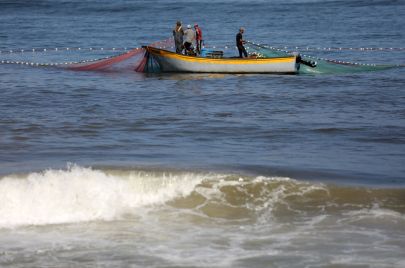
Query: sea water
(123, 169)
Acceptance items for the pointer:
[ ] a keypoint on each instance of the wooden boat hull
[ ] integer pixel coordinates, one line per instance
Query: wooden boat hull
(173, 62)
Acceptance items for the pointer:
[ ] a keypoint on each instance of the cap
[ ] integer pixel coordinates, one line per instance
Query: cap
(189, 26)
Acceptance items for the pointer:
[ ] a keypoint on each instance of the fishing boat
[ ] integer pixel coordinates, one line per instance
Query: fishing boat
(161, 60)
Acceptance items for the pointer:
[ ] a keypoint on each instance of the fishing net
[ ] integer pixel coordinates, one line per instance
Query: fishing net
(148, 64)
(323, 65)
(107, 62)
(138, 59)
(101, 64)
(80, 59)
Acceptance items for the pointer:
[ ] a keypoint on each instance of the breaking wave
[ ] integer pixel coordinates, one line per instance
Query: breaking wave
(84, 194)
(79, 194)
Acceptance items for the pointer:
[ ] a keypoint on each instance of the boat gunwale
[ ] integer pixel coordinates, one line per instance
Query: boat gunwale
(174, 55)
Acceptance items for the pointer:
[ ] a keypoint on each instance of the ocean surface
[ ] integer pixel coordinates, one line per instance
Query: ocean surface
(123, 169)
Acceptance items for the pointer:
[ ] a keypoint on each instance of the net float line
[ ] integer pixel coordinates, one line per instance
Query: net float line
(84, 65)
(301, 48)
(283, 50)
(347, 48)
(100, 63)
(59, 49)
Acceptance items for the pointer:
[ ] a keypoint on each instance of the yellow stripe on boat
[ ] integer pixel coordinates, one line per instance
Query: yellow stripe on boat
(173, 55)
(173, 62)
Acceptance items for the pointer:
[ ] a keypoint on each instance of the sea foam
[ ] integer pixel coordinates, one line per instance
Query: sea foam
(79, 194)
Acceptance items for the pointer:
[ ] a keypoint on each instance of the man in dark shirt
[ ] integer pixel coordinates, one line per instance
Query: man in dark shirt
(178, 34)
(240, 42)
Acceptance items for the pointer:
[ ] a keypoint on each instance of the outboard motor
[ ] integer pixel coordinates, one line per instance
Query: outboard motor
(309, 63)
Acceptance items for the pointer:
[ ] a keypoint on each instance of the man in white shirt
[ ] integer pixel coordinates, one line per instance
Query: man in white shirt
(189, 39)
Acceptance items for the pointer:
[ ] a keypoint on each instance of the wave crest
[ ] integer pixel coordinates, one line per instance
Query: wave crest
(83, 194)
(79, 194)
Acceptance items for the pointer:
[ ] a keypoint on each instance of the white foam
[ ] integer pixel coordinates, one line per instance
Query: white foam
(375, 212)
(83, 194)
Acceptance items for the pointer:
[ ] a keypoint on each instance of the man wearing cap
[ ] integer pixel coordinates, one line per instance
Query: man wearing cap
(199, 39)
(240, 42)
(189, 36)
(178, 37)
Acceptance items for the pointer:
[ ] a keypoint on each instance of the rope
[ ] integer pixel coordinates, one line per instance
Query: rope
(285, 49)
(54, 63)
(15, 51)
(323, 59)
(159, 44)
(39, 50)
(344, 48)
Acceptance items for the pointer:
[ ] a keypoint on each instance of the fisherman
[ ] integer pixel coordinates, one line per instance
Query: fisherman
(178, 37)
(199, 39)
(240, 42)
(189, 36)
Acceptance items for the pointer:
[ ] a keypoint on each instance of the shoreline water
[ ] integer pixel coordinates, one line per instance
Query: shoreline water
(160, 218)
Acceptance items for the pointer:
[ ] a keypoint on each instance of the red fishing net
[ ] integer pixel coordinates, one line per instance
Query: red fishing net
(104, 63)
